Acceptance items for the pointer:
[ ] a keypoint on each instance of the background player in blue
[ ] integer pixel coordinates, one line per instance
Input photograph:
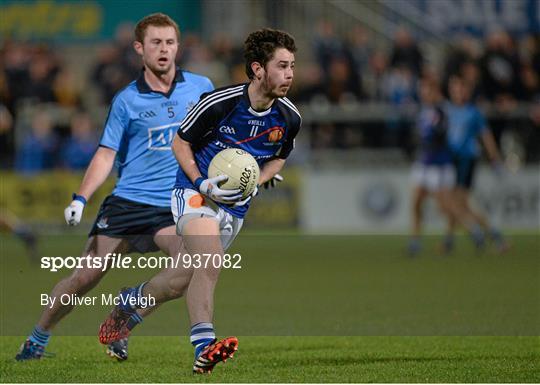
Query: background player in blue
(466, 125)
(142, 121)
(433, 173)
(256, 117)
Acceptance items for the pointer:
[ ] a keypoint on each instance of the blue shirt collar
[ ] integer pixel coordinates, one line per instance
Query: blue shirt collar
(144, 88)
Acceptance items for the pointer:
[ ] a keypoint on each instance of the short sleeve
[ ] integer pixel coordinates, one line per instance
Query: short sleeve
(208, 86)
(115, 125)
(293, 122)
(288, 144)
(200, 121)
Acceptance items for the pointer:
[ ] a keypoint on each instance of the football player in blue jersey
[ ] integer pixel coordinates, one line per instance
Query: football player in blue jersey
(255, 117)
(433, 173)
(466, 125)
(142, 121)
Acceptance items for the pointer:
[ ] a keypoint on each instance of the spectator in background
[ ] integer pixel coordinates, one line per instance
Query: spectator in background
(108, 73)
(80, 147)
(406, 53)
(500, 66)
(378, 67)
(327, 45)
(15, 59)
(399, 86)
(463, 52)
(117, 64)
(65, 89)
(42, 69)
(6, 136)
(341, 84)
(530, 70)
(39, 148)
(129, 60)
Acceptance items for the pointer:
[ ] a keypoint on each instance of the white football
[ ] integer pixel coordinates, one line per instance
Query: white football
(241, 168)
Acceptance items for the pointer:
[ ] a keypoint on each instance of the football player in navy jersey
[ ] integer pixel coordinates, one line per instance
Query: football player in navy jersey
(142, 121)
(256, 117)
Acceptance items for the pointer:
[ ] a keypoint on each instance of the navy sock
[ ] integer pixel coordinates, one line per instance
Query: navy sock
(126, 298)
(133, 321)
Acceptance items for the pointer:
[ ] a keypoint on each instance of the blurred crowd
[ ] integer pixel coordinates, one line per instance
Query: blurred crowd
(504, 71)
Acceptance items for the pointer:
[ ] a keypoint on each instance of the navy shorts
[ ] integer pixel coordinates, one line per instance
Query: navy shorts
(464, 172)
(136, 222)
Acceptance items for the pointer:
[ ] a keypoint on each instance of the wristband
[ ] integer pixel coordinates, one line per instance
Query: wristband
(79, 198)
(198, 182)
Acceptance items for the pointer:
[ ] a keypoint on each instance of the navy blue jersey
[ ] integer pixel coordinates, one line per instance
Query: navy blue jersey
(140, 128)
(224, 119)
(432, 126)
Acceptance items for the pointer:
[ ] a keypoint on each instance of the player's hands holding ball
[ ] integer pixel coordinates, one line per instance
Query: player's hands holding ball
(236, 173)
(210, 188)
(73, 213)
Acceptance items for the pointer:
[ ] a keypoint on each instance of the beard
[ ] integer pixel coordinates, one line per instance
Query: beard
(270, 89)
(160, 70)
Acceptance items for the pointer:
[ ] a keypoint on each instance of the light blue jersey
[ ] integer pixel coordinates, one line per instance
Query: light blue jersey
(465, 124)
(140, 127)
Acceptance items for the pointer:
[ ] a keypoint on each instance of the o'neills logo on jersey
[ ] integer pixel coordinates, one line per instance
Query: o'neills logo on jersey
(275, 134)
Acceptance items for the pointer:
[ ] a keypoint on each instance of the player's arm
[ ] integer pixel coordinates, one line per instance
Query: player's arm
(270, 169)
(197, 124)
(184, 155)
(486, 136)
(102, 162)
(209, 187)
(491, 147)
(97, 172)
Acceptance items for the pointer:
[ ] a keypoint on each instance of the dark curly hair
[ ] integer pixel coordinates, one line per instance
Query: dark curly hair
(260, 46)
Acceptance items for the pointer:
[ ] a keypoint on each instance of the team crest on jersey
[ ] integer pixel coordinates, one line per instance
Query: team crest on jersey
(275, 134)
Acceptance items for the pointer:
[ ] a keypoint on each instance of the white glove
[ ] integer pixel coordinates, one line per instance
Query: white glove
(273, 182)
(209, 187)
(245, 201)
(73, 212)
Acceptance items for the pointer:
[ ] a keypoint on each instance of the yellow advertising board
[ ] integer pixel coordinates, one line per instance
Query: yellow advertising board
(42, 198)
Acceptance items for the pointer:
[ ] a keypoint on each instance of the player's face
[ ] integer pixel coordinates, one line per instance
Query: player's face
(159, 49)
(459, 93)
(279, 73)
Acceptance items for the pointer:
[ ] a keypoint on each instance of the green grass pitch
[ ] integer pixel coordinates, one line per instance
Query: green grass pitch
(306, 309)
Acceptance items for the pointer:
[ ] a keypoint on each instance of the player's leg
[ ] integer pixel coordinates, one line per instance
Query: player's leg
(208, 236)
(464, 202)
(171, 282)
(79, 282)
(419, 194)
(204, 231)
(10, 223)
(463, 196)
